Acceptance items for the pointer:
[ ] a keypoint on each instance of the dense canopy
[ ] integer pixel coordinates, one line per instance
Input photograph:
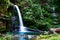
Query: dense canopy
(37, 14)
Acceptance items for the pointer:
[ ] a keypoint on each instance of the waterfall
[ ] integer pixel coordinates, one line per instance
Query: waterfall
(22, 28)
(54, 14)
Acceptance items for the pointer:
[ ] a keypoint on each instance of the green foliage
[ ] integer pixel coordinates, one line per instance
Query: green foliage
(36, 14)
(7, 37)
(39, 37)
(49, 37)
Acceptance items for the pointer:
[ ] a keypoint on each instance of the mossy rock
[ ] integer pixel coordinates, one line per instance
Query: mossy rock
(2, 26)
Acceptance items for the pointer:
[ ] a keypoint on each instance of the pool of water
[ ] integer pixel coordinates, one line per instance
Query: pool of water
(24, 37)
(29, 35)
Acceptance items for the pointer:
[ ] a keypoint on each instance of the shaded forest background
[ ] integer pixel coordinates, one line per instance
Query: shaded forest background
(36, 14)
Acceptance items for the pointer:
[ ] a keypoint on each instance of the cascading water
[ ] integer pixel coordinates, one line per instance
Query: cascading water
(22, 28)
(54, 15)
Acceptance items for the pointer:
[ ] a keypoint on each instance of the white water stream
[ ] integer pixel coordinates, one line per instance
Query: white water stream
(54, 14)
(22, 28)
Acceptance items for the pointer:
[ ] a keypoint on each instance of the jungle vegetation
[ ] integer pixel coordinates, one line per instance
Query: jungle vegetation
(37, 14)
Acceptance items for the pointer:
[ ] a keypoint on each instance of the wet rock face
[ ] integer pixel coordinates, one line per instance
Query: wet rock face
(44, 2)
(14, 2)
(58, 30)
(2, 26)
(3, 23)
(33, 37)
(55, 30)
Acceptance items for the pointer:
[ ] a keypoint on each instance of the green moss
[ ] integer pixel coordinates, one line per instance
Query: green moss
(49, 37)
